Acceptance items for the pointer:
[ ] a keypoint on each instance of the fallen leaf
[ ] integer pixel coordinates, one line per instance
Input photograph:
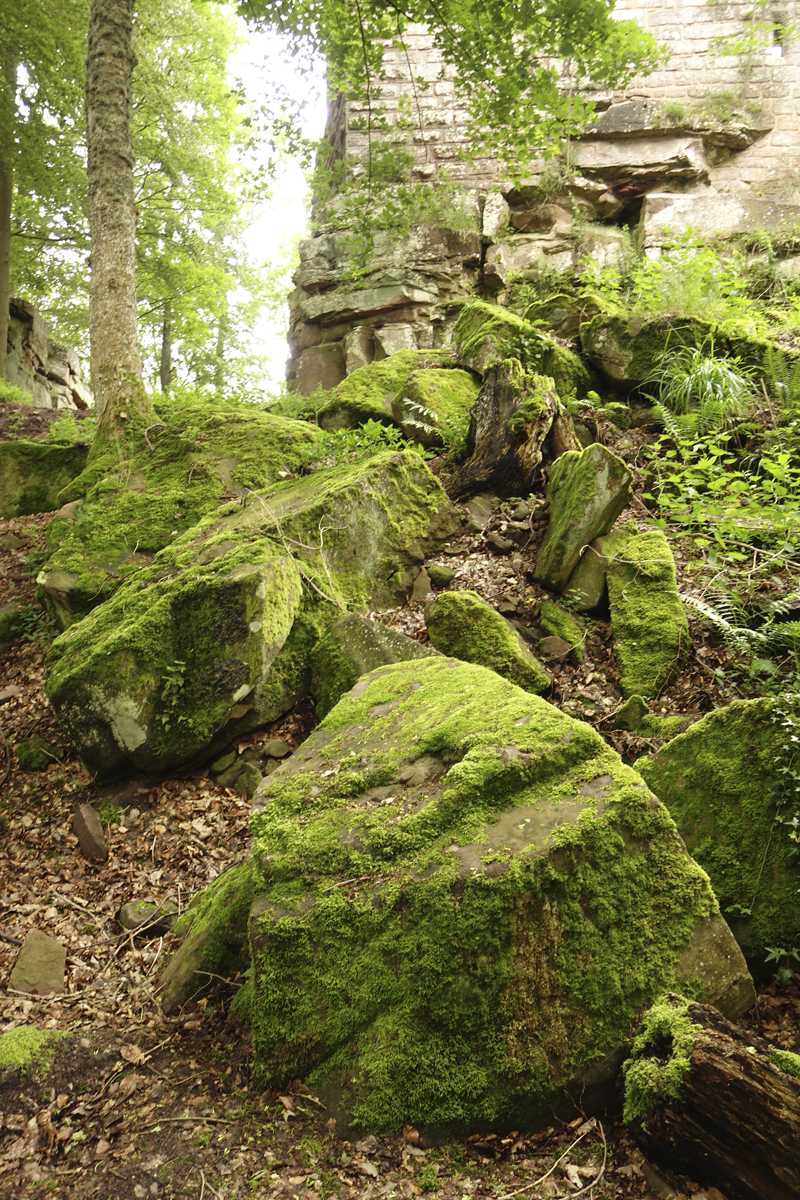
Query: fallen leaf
(134, 1055)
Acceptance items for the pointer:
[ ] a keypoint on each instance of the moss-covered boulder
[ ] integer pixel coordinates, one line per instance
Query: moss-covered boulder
(353, 646)
(118, 515)
(422, 392)
(557, 621)
(214, 929)
(462, 897)
(648, 623)
(217, 636)
(586, 493)
(586, 587)
(720, 781)
(34, 468)
(463, 625)
(485, 334)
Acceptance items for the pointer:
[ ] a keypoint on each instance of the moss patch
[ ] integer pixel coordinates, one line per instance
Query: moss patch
(433, 406)
(716, 780)
(785, 1061)
(367, 393)
(557, 621)
(32, 474)
(214, 928)
(660, 1058)
(462, 896)
(26, 1047)
(648, 624)
(486, 333)
(465, 626)
(132, 509)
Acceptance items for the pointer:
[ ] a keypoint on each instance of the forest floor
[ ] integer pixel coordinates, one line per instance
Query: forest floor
(135, 1104)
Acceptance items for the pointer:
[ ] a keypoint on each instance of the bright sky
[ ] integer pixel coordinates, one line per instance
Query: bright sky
(278, 224)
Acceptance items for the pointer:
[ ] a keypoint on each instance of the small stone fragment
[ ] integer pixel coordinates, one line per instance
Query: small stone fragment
(440, 577)
(554, 648)
(10, 541)
(632, 713)
(88, 829)
(422, 586)
(136, 913)
(465, 626)
(480, 510)
(223, 763)
(39, 969)
(276, 748)
(500, 545)
(34, 753)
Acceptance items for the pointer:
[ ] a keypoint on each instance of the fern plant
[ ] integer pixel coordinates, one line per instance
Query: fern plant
(730, 617)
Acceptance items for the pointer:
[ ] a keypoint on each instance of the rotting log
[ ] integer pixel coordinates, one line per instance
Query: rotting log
(712, 1101)
(517, 426)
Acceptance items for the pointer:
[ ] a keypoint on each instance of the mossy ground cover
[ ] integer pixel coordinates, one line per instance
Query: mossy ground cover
(130, 508)
(368, 392)
(422, 957)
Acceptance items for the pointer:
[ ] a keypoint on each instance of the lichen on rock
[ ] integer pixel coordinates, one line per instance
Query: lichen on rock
(463, 625)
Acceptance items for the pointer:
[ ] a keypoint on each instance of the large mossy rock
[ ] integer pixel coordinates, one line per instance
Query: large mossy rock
(586, 493)
(120, 514)
(462, 897)
(217, 636)
(719, 781)
(34, 469)
(463, 625)
(485, 334)
(648, 623)
(422, 392)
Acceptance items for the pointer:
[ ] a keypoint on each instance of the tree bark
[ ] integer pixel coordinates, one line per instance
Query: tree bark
(165, 365)
(116, 359)
(7, 86)
(219, 360)
(517, 426)
(736, 1122)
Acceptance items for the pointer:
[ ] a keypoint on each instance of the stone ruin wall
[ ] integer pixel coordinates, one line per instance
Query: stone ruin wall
(49, 372)
(663, 157)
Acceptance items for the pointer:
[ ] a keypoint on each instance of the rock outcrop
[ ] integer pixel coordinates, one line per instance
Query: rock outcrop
(50, 372)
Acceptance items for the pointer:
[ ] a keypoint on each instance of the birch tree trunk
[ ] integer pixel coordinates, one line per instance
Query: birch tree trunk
(165, 363)
(7, 85)
(116, 359)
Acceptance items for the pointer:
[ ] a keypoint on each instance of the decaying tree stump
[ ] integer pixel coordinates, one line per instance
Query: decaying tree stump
(518, 424)
(707, 1099)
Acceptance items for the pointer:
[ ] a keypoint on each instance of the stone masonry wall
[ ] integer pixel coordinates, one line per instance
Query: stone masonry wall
(709, 144)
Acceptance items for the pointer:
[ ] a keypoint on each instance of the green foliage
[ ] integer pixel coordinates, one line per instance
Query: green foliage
(660, 1058)
(428, 1180)
(14, 395)
(109, 813)
(353, 445)
(700, 392)
(689, 279)
(786, 789)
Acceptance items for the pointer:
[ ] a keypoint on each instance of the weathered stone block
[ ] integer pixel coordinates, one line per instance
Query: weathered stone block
(40, 965)
(465, 626)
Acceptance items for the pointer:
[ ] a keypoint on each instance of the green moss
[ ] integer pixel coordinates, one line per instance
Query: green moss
(136, 507)
(486, 333)
(586, 493)
(429, 945)
(32, 474)
(636, 716)
(660, 1058)
(26, 1047)
(34, 753)
(214, 928)
(716, 780)
(367, 393)
(534, 404)
(648, 623)
(557, 621)
(785, 1061)
(465, 626)
(217, 635)
(439, 399)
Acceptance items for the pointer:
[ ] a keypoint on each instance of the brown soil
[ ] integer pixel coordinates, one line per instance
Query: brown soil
(24, 421)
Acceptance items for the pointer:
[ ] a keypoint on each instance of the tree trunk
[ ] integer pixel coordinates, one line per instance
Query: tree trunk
(219, 361)
(165, 365)
(517, 427)
(7, 87)
(732, 1122)
(116, 360)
